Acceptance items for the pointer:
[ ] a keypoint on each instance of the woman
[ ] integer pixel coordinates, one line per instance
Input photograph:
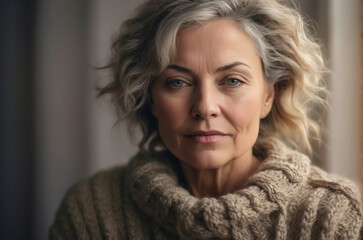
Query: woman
(221, 91)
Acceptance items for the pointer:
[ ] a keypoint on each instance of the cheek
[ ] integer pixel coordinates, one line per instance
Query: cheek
(169, 111)
(246, 122)
(171, 114)
(243, 113)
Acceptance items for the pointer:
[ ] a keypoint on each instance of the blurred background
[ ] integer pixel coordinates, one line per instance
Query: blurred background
(53, 131)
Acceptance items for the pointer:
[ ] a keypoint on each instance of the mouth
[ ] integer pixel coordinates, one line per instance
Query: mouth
(211, 136)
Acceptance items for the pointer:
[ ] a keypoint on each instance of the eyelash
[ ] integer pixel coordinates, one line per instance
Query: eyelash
(239, 82)
(170, 83)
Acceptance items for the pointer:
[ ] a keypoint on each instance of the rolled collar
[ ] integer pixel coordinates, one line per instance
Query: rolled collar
(157, 191)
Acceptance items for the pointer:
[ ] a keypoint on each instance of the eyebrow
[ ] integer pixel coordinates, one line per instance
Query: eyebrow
(220, 69)
(179, 68)
(232, 65)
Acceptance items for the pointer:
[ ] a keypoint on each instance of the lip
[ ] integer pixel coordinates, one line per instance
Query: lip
(210, 136)
(206, 133)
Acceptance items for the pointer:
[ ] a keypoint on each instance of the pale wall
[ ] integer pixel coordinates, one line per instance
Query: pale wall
(346, 83)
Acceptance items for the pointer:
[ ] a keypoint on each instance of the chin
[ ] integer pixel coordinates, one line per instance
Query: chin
(206, 160)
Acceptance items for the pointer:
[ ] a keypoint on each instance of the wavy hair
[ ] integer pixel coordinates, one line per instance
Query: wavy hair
(291, 58)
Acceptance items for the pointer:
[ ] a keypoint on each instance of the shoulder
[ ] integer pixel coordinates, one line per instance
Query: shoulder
(323, 206)
(89, 206)
(333, 204)
(318, 178)
(311, 178)
(335, 186)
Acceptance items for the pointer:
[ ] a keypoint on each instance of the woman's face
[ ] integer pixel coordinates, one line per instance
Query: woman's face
(210, 99)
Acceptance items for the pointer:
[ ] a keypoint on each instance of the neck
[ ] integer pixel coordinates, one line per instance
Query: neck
(220, 181)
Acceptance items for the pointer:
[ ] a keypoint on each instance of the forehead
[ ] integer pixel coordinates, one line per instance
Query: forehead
(224, 26)
(217, 39)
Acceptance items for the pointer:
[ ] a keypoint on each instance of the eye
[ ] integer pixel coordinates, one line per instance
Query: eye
(233, 82)
(176, 83)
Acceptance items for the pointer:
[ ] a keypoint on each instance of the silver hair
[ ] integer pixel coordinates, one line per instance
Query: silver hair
(292, 62)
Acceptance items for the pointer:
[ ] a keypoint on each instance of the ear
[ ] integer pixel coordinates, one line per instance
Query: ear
(268, 100)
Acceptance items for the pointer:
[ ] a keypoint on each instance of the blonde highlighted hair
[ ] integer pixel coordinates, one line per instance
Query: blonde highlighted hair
(292, 62)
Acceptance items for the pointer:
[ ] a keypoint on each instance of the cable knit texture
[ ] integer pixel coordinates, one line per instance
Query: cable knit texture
(287, 198)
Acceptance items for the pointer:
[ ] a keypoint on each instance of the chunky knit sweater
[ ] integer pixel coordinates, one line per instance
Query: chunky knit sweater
(287, 198)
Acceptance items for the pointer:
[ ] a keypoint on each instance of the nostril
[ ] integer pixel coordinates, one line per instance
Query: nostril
(205, 104)
(204, 115)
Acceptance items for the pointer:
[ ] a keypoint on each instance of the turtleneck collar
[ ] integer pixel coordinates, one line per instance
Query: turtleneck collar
(157, 190)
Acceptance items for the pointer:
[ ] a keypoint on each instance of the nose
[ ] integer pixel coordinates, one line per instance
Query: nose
(205, 103)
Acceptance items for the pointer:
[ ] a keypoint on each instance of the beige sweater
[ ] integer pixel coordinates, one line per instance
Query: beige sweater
(287, 198)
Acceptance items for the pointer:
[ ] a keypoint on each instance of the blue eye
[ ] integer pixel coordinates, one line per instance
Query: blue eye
(176, 83)
(233, 82)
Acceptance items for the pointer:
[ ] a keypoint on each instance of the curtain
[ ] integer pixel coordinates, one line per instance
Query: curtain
(361, 102)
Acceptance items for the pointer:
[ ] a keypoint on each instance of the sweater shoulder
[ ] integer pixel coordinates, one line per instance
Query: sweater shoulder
(336, 202)
(91, 207)
(318, 178)
(100, 186)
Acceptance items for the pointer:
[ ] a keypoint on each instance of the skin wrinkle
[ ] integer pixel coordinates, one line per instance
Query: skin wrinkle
(204, 101)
